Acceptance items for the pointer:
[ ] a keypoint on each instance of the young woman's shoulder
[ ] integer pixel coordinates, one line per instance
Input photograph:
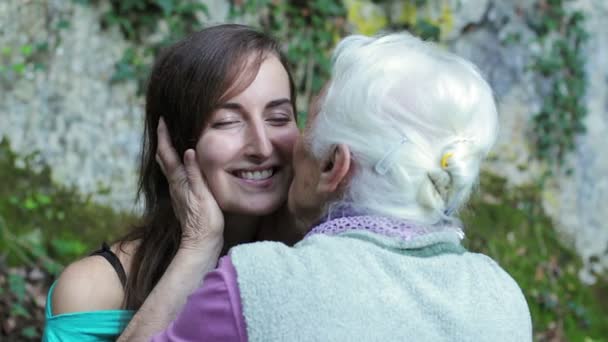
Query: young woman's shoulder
(92, 283)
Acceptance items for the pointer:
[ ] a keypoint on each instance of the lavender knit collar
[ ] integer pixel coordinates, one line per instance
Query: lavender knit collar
(346, 219)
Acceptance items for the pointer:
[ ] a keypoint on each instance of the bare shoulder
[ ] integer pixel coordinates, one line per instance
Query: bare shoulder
(89, 284)
(92, 284)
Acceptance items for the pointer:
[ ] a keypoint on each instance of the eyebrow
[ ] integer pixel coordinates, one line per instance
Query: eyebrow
(271, 104)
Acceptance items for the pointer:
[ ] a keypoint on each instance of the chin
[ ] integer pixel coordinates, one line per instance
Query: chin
(254, 208)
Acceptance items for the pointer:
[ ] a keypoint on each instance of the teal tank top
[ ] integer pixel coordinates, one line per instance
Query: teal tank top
(103, 325)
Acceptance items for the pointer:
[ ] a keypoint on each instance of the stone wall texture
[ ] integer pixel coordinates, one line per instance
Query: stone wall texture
(90, 131)
(576, 202)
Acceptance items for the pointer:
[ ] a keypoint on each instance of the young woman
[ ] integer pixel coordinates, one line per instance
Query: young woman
(226, 93)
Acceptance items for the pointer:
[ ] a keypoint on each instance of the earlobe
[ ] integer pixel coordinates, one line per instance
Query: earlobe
(335, 169)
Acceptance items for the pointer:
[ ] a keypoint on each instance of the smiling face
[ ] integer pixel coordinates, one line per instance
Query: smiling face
(245, 147)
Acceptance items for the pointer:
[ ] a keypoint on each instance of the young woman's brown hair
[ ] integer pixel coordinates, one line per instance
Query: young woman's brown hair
(188, 81)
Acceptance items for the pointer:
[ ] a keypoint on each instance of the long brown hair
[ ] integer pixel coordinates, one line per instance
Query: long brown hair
(188, 81)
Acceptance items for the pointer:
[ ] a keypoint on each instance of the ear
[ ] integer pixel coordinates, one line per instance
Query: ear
(335, 169)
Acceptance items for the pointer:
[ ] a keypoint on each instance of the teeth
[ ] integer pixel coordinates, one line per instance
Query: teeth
(255, 175)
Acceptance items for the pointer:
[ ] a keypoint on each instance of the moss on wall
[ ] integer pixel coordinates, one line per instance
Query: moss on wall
(430, 20)
(510, 225)
(43, 221)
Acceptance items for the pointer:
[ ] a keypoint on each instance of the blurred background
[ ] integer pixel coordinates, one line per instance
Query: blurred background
(72, 74)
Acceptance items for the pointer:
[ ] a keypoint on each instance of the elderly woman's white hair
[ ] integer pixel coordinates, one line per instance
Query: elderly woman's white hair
(418, 121)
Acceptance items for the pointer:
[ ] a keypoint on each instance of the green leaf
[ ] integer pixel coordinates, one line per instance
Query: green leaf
(16, 284)
(63, 24)
(19, 310)
(42, 47)
(427, 30)
(52, 266)
(66, 247)
(30, 204)
(30, 332)
(43, 199)
(26, 50)
(19, 68)
(166, 6)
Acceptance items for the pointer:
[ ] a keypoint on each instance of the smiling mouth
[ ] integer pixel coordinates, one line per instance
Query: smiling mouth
(257, 175)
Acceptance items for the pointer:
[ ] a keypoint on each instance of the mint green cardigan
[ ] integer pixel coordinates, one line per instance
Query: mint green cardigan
(361, 286)
(103, 325)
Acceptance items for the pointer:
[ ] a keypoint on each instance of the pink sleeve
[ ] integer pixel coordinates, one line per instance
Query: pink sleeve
(213, 312)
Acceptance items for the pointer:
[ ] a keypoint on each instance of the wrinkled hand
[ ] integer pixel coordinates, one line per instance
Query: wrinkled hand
(194, 205)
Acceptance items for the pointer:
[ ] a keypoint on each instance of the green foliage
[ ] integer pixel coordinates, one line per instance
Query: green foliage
(510, 226)
(309, 30)
(43, 224)
(15, 306)
(561, 64)
(425, 30)
(42, 227)
(140, 19)
(16, 61)
(422, 27)
(132, 66)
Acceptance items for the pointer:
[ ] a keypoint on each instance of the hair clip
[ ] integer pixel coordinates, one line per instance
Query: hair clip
(444, 160)
(385, 163)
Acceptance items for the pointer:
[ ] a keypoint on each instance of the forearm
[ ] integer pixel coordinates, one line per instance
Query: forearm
(182, 277)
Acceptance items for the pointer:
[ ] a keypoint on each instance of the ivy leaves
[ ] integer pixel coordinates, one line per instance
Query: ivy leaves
(561, 64)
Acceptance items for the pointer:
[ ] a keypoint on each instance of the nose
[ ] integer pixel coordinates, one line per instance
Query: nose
(259, 145)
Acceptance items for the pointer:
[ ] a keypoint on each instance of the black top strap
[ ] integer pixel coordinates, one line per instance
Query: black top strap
(107, 253)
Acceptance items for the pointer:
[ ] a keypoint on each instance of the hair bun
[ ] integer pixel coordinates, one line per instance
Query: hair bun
(460, 160)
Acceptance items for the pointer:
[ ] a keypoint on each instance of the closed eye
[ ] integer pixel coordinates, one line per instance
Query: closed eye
(224, 124)
(279, 120)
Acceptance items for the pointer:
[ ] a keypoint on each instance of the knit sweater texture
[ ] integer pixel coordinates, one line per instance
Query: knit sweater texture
(359, 285)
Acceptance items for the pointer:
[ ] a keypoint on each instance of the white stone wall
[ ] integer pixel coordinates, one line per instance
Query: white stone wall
(576, 202)
(86, 130)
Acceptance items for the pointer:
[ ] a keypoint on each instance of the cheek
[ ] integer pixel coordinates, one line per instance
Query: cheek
(212, 158)
(212, 154)
(285, 141)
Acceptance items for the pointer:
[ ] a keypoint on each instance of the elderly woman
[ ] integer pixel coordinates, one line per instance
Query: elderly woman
(392, 151)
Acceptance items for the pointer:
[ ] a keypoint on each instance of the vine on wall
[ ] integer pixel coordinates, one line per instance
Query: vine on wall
(140, 22)
(16, 61)
(26, 58)
(561, 64)
(415, 16)
(309, 30)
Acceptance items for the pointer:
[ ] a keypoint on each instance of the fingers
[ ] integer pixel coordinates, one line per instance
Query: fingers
(193, 172)
(166, 156)
(160, 163)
